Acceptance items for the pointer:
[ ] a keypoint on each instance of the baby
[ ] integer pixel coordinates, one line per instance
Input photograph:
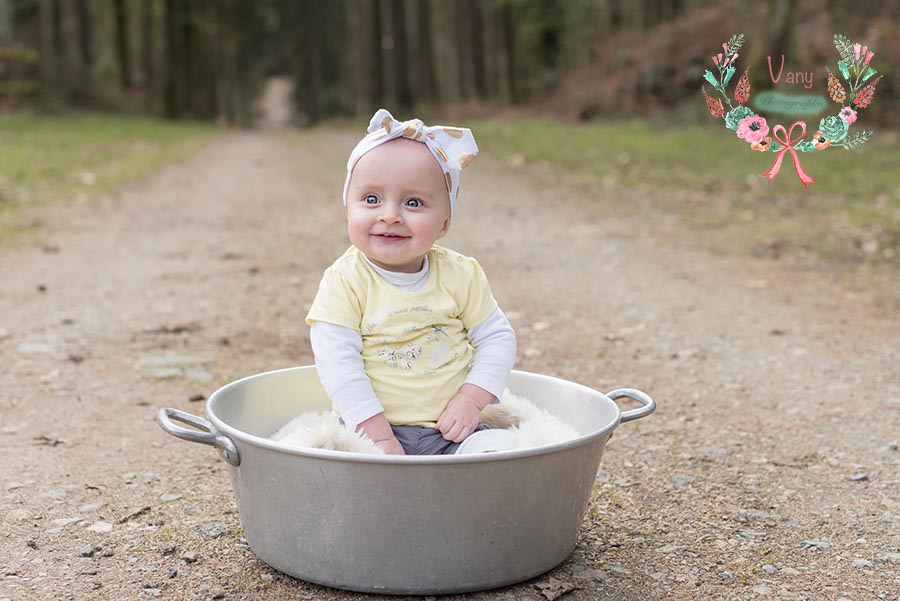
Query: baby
(409, 342)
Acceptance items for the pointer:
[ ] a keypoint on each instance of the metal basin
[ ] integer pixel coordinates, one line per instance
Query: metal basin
(405, 525)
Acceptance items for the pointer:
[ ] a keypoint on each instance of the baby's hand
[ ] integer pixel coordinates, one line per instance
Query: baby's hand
(379, 430)
(460, 416)
(391, 446)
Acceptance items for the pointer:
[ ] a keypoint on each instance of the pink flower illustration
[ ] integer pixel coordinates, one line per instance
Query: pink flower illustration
(752, 129)
(848, 115)
(862, 53)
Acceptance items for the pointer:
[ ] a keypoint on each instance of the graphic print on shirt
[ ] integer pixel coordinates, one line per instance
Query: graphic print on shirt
(402, 358)
(377, 324)
(437, 331)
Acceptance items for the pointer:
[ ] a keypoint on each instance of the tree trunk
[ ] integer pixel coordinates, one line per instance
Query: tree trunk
(148, 71)
(494, 74)
(45, 44)
(333, 70)
(170, 85)
(464, 52)
(307, 89)
(203, 60)
(59, 49)
(186, 57)
(476, 39)
(376, 66)
(446, 55)
(507, 20)
(243, 57)
(424, 52)
(227, 84)
(402, 94)
(122, 56)
(85, 36)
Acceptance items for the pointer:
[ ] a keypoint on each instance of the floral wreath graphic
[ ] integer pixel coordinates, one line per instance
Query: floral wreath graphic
(834, 130)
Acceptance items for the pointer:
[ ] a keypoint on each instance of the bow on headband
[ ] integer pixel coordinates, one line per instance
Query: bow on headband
(453, 147)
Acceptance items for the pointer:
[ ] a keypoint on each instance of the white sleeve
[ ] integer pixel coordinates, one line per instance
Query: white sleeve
(495, 352)
(339, 364)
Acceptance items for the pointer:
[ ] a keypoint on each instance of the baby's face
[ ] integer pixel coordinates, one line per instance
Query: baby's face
(397, 204)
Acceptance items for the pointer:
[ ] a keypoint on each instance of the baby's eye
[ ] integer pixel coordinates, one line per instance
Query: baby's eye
(414, 202)
(371, 199)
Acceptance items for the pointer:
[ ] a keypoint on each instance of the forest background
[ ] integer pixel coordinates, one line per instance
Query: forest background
(578, 59)
(600, 94)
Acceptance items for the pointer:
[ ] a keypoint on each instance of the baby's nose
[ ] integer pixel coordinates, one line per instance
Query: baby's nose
(390, 214)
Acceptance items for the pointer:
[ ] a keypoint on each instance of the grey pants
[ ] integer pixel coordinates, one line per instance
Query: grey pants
(418, 440)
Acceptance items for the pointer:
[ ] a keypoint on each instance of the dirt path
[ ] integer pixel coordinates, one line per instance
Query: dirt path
(770, 470)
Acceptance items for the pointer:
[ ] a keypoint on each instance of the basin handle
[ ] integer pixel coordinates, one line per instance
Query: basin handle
(648, 405)
(207, 434)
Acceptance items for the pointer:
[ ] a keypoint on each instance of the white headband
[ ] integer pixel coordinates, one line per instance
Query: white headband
(453, 147)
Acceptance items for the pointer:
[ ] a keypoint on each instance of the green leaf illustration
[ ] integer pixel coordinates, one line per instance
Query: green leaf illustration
(845, 48)
(857, 139)
(735, 43)
(711, 79)
(728, 75)
(869, 74)
(843, 67)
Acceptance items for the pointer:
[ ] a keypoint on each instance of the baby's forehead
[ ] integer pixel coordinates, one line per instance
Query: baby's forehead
(403, 156)
(405, 148)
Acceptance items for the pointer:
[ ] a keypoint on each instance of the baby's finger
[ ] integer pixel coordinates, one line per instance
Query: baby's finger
(445, 421)
(453, 433)
(464, 432)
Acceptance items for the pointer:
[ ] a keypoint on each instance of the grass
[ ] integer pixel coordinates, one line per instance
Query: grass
(709, 179)
(45, 159)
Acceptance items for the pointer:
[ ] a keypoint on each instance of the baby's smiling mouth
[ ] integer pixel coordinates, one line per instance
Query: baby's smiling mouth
(389, 236)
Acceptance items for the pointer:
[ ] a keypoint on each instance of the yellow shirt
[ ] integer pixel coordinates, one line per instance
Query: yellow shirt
(414, 344)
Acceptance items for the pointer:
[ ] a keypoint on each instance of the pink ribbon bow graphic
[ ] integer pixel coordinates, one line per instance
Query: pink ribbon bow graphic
(788, 142)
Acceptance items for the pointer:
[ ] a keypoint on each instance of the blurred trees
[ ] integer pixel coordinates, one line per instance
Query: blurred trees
(207, 59)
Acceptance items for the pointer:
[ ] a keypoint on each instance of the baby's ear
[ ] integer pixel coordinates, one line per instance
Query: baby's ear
(445, 228)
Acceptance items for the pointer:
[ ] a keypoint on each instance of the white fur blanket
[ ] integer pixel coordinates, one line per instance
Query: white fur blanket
(532, 426)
